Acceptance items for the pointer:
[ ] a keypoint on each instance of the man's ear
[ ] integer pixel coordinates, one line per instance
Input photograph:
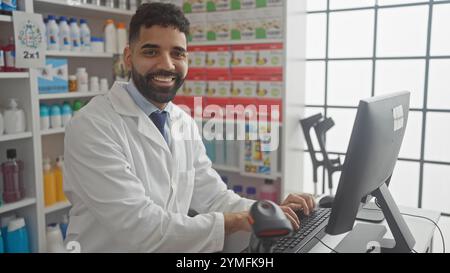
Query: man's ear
(127, 57)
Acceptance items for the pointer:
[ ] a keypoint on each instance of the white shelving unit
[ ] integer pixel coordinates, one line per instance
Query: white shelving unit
(33, 145)
(5, 18)
(57, 207)
(70, 95)
(15, 136)
(53, 131)
(14, 75)
(17, 205)
(69, 54)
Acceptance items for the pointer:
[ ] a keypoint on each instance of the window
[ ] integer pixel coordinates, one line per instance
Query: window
(374, 47)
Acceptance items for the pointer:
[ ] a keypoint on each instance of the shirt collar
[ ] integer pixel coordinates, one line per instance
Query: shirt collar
(142, 102)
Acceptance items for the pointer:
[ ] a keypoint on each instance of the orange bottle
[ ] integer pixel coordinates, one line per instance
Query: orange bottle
(49, 184)
(60, 197)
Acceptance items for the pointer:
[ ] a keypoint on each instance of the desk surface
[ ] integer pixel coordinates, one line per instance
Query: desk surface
(421, 229)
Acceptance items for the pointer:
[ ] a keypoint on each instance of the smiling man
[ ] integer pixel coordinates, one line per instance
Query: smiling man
(130, 181)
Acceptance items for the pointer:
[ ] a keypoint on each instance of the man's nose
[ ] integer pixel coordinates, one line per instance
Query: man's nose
(165, 62)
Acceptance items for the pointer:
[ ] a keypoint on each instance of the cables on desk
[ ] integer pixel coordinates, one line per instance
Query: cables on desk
(417, 216)
(325, 245)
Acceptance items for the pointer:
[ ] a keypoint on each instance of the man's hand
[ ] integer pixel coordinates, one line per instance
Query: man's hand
(236, 221)
(296, 203)
(239, 221)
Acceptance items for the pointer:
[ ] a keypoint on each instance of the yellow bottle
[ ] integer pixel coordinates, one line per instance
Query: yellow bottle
(60, 197)
(49, 184)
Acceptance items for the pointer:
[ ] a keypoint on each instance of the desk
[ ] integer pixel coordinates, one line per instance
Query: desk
(421, 229)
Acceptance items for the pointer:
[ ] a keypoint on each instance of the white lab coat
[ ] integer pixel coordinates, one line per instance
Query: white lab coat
(130, 192)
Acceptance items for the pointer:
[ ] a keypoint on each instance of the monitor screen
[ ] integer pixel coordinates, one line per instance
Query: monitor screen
(372, 152)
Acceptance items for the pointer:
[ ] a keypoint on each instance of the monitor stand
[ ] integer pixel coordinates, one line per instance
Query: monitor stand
(362, 239)
(370, 212)
(365, 237)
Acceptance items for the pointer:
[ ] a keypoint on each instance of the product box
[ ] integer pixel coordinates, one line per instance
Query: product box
(244, 56)
(218, 5)
(197, 30)
(53, 78)
(270, 86)
(270, 55)
(219, 85)
(195, 85)
(244, 86)
(197, 57)
(243, 26)
(270, 23)
(219, 26)
(218, 57)
(192, 6)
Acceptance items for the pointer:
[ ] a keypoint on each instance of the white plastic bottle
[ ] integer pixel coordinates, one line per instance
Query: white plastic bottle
(15, 121)
(53, 33)
(82, 79)
(85, 36)
(121, 37)
(64, 34)
(110, 37)
(55, 117)
(55, 242)
(75, 35)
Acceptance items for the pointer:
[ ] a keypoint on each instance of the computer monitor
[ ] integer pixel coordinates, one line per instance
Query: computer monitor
(372, 152)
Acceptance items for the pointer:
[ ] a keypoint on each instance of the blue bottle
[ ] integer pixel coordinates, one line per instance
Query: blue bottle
(17, 237)
(4, 229)
(63, 225)
(2, 247)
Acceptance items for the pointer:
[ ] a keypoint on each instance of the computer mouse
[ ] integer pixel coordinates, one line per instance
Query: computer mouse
(326, 202)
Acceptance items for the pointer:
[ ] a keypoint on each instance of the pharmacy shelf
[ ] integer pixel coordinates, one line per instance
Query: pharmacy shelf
(70, 54)
(225, 168)
(15, 136)
(5, 18)
(14, 75)
(71, 7)
(69, 95)
(57, 207)
(241, 42)
(17, 205)
(53, 131)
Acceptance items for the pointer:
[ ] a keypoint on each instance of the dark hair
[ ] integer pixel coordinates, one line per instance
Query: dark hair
(157, 14)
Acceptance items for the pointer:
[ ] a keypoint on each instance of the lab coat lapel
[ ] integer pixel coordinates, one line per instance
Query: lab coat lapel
(124, 105)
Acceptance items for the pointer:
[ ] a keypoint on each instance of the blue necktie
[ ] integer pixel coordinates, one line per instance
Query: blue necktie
(159, 119)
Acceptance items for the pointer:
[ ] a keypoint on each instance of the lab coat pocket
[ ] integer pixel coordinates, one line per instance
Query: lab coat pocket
(184, 190)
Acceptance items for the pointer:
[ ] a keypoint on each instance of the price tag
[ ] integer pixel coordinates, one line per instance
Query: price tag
(30, 39)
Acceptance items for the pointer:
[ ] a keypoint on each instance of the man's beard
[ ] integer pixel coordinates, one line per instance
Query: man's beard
(152, 92)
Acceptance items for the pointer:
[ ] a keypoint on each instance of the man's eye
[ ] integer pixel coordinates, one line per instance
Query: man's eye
(150, 52)
(180, 54)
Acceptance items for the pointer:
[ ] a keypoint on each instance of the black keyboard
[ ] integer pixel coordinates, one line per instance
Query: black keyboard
(303, 240)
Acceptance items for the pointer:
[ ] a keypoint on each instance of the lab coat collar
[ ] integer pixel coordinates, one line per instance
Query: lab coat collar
(124, 104)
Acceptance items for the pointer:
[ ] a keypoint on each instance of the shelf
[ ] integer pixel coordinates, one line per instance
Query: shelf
(14, 75)
(53, 131)
(69, 95)
(15, 136)
(17, 205)
(70, 7)
(242, 42)
(70, 54)
(5, 18)
(57, 207)
(225, 168)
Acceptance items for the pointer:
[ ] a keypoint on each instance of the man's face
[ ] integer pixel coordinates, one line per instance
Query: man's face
(158, 62)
